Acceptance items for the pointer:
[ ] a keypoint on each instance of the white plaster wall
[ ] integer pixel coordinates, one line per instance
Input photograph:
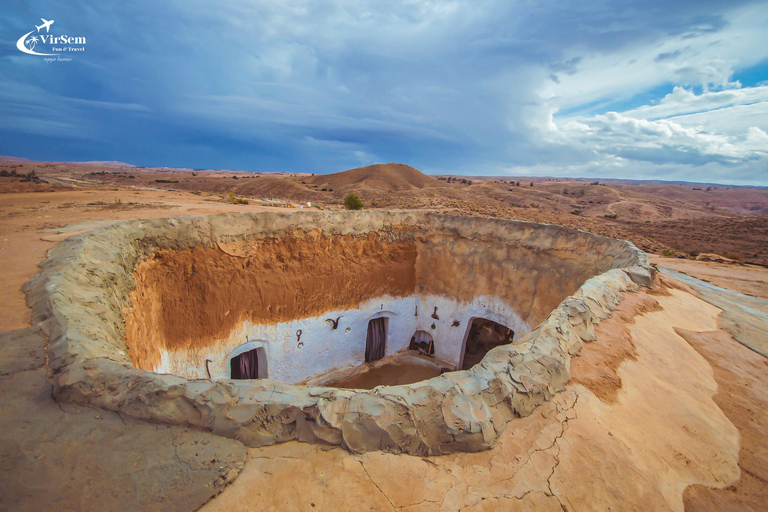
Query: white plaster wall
(321, 349)
(449, 340)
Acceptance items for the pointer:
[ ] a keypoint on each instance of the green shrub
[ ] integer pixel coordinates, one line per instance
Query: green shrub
(668, 253)
(351, 202)
(610, 216)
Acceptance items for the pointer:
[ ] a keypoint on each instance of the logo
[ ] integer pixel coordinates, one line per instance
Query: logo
(46, 44)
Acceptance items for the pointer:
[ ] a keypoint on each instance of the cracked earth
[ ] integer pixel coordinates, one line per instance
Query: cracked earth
(639, 451)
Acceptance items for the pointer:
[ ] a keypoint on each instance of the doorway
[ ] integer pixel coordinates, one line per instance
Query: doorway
(376, 339)
(423, 342)
(245, 365)
(483, 335)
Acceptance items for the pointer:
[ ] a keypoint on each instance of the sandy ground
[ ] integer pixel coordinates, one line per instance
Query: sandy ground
(662, 433)
(674, 419)
(404, 368)
(747, 279)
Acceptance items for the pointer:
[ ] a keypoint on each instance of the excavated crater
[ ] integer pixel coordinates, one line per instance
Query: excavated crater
(251, 325)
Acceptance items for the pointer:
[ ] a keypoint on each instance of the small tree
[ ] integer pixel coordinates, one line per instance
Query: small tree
(351, 202)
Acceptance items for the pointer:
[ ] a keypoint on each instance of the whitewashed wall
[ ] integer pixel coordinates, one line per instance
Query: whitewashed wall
(321, 349)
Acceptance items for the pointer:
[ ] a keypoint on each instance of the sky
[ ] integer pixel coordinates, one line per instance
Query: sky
(636, 90)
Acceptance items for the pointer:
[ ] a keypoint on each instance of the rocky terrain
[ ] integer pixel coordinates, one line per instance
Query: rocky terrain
(635, 429)
(681, 218)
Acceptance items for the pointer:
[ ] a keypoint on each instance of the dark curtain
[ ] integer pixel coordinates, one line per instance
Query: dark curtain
(374, 342)
(246, 365)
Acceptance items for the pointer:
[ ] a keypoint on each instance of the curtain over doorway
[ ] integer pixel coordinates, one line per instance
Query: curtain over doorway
(246, 365)
(376, 339)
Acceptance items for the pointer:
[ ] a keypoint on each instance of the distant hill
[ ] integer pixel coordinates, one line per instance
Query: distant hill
(103, 164)
(13, 159)
(377, 178)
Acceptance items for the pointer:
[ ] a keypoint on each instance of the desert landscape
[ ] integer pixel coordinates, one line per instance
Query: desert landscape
(664, 408)
(405, 256)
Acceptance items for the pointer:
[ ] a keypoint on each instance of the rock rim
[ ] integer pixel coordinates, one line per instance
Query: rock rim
(83, 287)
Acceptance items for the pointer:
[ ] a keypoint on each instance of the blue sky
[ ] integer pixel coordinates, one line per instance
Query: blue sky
(640, 90)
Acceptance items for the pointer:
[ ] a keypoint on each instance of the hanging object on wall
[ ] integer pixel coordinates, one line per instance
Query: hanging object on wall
(207, 370)
(433, 325)
(298, 335)
(334, 322)
(455, 323)
(434, 315)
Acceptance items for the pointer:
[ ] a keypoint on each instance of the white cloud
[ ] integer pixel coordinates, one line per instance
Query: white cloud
(450, 86)
(682, 101)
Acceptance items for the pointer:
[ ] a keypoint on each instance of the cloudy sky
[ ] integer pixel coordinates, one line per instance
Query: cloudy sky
(648, 90)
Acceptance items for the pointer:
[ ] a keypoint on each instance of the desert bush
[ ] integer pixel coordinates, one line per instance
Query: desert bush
(668, 253)
(610, 216)
(734, 256)
(576, 212)
(236, 200)
(351, 202)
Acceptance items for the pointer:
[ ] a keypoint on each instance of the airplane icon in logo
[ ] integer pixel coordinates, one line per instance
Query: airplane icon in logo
(46, 25)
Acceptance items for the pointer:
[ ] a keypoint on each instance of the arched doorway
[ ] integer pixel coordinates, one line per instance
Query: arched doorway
(423, 342)
(483, 335)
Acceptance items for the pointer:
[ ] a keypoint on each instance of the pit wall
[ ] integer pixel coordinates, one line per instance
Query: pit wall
(321, 349)
(83, 288)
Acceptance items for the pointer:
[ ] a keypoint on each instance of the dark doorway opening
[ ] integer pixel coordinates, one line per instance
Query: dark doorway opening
(245, 365)
(482, 336)
(423, 342)
(376, 339)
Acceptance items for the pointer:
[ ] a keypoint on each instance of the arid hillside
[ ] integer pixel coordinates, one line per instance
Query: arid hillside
(377, 179)
(679, 219)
